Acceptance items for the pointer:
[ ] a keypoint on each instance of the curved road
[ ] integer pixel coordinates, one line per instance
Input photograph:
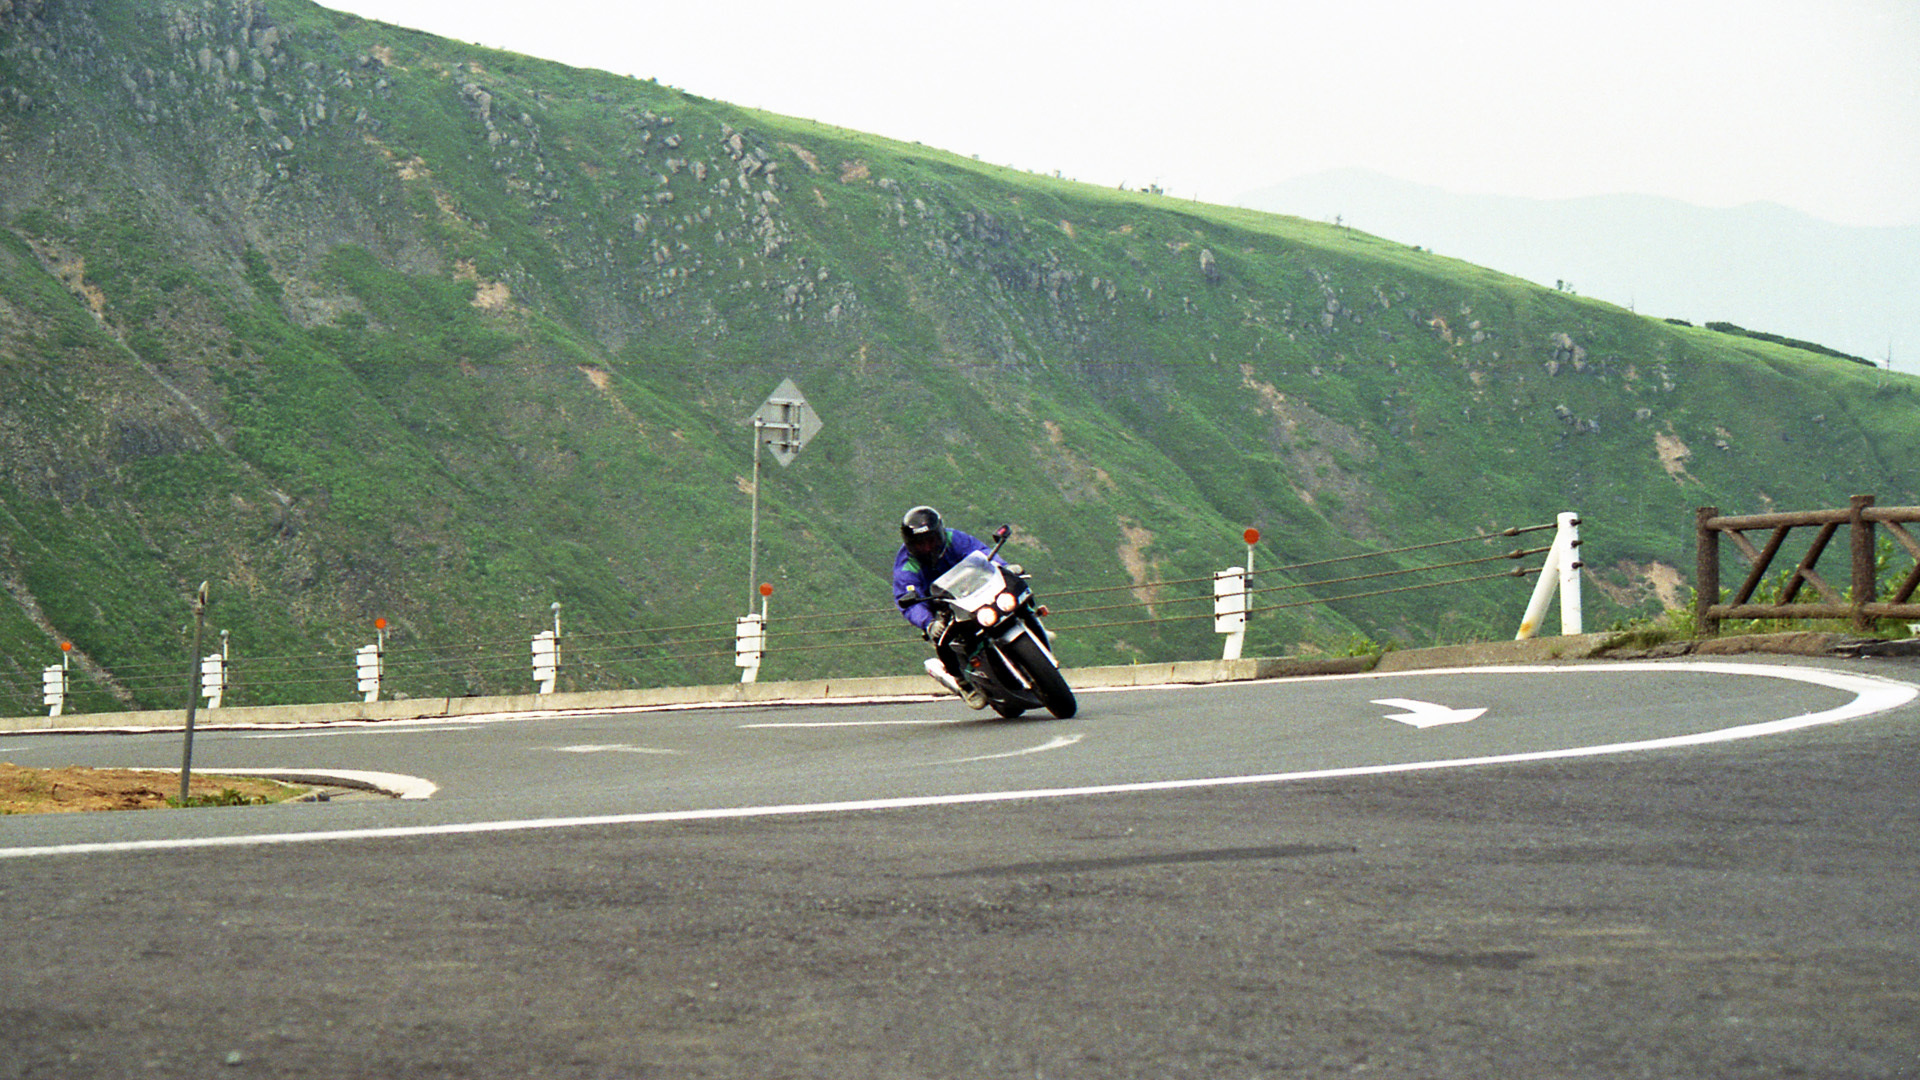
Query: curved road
(1571, 870)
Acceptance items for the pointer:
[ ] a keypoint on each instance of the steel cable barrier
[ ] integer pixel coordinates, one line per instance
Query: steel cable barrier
(1067, 612)
(693, 653)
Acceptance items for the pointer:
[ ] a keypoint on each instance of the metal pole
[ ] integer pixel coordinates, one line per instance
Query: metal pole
(193, 691)
(753, 533)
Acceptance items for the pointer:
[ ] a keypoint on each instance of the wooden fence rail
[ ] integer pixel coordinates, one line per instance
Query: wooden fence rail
(1859, 603)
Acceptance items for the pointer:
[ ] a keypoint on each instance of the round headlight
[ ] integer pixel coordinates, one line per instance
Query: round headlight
(1005, 602)
(987, 616)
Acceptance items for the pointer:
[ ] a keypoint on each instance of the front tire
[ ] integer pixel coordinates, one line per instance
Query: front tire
(1048, 684)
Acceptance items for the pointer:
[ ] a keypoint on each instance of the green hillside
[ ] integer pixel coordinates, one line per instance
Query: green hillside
(353, 322)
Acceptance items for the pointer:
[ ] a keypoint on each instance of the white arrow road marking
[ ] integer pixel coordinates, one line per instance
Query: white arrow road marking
(616, 748)
(1426, 714)
(1053, 744)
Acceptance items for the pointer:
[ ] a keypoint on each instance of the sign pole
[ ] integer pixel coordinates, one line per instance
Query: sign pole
(784, 424)
(193, 692)
(753, 533)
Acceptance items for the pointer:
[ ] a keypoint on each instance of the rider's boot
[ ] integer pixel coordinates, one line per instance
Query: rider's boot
(938, 672)
(966, 692)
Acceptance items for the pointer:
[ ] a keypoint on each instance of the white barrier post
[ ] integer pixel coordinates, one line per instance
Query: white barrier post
(370, 662)
(1230, 609)
(1572, 615)
(213, 673)
(1560, 573)
(53, 684)
(366, 663)
(749, 645)
(750, 639)
(546, 656)
(546, 661)
(1232, 600)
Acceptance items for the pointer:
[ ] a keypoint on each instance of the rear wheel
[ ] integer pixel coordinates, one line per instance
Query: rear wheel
(1048, 684)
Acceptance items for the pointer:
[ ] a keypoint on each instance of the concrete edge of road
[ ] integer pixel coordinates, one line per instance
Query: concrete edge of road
(1186, 672)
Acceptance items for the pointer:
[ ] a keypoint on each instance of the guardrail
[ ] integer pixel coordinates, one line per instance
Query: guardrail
(1858, 603)
(232, 677)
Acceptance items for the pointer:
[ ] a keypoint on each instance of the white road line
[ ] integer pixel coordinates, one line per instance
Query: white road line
(609, 748)
(410, 729)
(1872, 695)
(852, 723)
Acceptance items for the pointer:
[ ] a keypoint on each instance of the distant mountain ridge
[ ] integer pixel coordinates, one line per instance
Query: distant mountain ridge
(1762, 266)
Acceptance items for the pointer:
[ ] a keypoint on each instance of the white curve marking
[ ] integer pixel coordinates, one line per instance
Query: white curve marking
(399, 785)
(1056, 743)
(1873, 695)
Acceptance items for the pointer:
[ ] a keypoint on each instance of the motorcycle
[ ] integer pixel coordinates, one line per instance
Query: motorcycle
(993, 622)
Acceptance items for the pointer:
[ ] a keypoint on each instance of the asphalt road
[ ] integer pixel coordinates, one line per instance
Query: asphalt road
(1614, 870)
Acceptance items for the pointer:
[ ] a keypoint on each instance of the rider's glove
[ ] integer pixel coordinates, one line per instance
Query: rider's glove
(1016, 569)
(937, 628)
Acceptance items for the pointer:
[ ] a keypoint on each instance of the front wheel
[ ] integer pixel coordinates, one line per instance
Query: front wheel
(1048, 684)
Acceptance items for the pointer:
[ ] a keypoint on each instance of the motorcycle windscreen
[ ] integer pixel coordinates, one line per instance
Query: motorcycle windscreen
(972, 582)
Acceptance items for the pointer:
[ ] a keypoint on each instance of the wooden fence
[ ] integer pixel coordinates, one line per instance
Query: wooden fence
(1859, 602)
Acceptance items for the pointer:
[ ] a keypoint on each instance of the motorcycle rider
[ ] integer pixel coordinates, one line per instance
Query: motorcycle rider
(928, 549)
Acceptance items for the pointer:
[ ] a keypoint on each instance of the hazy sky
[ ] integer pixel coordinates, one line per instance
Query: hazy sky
(1814, 104)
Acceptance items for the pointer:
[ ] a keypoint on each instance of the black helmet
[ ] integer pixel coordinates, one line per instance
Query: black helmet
(923, 532)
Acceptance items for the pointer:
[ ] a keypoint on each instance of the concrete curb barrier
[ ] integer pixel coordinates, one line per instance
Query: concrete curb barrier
(1183, 672)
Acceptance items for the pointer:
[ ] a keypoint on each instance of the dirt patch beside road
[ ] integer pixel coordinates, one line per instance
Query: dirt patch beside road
(47, 791)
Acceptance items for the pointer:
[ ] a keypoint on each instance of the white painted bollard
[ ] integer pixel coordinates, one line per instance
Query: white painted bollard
(213, 679)
(367, 664)
(213, 673)
(1560, 573)
(750, 638)
(1230, 609)
(546, 661)
(53, 688)
(749, 645)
